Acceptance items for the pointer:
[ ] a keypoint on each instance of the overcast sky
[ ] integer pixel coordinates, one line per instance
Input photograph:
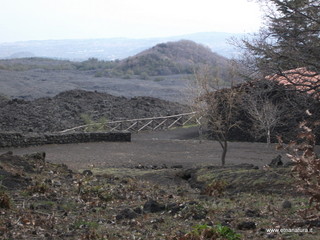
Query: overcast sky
(22, 20)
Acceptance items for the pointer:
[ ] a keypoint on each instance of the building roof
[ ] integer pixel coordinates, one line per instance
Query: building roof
(301, 79)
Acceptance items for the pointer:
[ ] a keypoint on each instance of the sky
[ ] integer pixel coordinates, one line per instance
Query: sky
(23, 20)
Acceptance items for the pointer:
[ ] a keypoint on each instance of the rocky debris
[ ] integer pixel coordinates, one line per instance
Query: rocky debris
(252, 213)
(66, 110)
(174, 208)
(194, 210)
(153, 206)
(16, 171)
(58, 203)
(286, 204)
(152, 167)
(246, 225)
(276, 162)
(127, 214)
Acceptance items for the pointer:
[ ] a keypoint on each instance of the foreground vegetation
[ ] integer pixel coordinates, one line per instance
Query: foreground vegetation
(40, 200)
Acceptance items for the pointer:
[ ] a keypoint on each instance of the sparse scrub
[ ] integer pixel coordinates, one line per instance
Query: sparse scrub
(215, 188)
(205, 232)
(41, 188)
(94, 126)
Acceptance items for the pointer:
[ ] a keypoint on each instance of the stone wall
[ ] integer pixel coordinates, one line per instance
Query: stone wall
(23, 140)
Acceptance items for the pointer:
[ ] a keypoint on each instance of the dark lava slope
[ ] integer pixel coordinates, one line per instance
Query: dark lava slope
(65, 110)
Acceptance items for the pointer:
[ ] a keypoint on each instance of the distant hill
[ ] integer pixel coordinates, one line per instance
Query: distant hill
(172, 58)
(112, 48)
(168, 67)
(22, 55)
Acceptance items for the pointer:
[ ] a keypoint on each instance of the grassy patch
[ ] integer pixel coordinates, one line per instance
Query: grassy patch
(126, 172)
(248, 180)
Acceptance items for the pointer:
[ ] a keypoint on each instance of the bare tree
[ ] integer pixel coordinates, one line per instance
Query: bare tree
(264, 114)
(217, 107)
(222, 116)
(204, 82)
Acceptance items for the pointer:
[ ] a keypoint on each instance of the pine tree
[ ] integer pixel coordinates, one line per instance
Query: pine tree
(289, 40)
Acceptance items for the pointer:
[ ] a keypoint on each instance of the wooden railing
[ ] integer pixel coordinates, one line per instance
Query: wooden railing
(137, 125)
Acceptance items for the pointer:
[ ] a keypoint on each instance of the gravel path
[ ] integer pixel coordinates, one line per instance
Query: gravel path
(171, 147)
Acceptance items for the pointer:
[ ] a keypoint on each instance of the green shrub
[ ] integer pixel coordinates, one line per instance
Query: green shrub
(94, 126)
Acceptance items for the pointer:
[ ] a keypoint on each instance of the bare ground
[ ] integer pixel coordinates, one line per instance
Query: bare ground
(172, 147)
(113, 203)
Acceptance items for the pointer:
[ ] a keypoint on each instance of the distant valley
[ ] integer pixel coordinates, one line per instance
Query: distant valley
(110, 49)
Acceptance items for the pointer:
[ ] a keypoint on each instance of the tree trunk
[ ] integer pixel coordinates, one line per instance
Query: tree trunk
(268, 137)
(224, 152)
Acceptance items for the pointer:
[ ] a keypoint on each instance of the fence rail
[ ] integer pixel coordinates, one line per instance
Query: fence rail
(137, 125)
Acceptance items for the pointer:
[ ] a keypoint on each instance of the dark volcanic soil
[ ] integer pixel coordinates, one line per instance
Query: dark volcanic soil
(44, 200)
(172, 147)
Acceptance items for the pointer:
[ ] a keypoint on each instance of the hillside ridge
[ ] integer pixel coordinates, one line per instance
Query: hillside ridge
(181, 57)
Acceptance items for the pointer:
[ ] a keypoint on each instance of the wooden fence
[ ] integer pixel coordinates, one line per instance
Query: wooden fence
(137, 125)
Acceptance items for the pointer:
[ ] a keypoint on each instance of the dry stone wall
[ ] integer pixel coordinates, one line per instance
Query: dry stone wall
(24, 140)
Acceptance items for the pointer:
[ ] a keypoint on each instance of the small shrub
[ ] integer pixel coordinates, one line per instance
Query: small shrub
(98, 74)
(306, 168)
(38, 188)
(159, 79)
(94, 126)
(144, 76)
(194, 211)
(215, 188)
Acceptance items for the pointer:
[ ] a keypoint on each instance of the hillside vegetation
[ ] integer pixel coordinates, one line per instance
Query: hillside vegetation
(170, 58)
(180, 57)
(166, 66)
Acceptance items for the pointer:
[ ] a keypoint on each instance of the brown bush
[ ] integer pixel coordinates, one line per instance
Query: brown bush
(306, 167)
(4, 201)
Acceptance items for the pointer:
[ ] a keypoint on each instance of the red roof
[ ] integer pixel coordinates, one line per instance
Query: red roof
(300, 78)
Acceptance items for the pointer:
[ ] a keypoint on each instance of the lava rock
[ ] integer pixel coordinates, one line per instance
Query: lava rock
(246, 226)
(252, 213)
(126, 214)
(286, 204)
(276, 162)
(138, 210)
(175, 208)
(153, 206)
